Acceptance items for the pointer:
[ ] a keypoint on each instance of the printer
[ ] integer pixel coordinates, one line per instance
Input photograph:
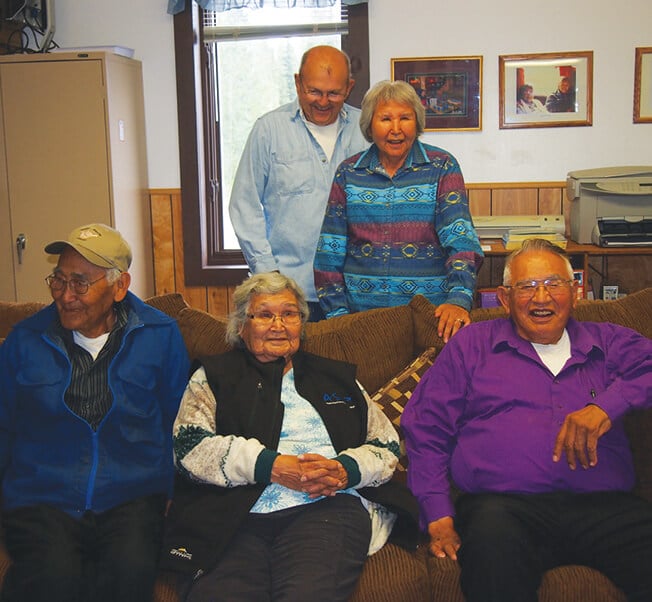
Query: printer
(611, 206)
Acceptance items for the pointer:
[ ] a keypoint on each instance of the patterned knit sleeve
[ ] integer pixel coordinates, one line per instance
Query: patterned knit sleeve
(457, 235)
(375, 461)
(202, 454)
(331, 252)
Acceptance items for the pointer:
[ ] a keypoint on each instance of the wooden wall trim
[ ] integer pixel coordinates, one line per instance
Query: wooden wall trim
(500, 185)
(490, 198)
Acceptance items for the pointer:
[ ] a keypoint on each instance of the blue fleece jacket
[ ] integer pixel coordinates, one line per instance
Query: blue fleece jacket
(49, 455)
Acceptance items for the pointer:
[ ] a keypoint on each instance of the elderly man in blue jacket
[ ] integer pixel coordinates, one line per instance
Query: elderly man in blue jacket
(89, 389)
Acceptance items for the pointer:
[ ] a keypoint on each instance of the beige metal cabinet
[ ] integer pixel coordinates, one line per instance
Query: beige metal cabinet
(72, 151)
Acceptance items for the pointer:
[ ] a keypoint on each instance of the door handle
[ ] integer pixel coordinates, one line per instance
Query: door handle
(20, 246)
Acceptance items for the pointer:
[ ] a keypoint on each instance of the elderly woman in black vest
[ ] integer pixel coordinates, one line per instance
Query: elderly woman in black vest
(287, 463)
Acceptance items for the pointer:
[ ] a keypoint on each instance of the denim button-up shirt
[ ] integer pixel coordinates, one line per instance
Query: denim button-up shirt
(281, 188)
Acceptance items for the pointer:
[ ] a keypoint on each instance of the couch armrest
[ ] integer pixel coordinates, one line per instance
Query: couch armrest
(11, 313)
(5, 561)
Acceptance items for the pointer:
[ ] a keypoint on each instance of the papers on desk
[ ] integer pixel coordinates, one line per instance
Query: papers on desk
(513, 239)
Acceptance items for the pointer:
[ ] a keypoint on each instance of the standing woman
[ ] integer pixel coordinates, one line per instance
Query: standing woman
(397, 222)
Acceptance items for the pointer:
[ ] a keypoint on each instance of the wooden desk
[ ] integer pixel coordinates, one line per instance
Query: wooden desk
(630, 276)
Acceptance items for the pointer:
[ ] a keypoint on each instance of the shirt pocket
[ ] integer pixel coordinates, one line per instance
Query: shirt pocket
(39, 395)
(292, 174)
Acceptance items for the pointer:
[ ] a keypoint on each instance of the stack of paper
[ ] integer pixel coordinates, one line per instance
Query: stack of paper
(513, 239)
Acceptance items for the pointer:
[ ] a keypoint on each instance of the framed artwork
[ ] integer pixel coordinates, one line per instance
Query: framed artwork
(450, 89)
(552, 89)
(643, 86)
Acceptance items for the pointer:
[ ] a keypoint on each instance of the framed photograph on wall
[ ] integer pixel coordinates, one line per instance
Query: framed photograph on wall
(551, 89)
(450, 89)
(643, 86)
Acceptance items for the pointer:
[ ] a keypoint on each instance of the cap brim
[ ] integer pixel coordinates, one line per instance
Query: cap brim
(59, 246)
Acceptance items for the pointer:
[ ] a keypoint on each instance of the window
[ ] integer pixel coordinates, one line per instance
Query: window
(224, 82)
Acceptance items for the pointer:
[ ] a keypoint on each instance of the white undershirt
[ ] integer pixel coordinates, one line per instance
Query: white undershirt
(555, 355)
(326, 135)
(93, 346)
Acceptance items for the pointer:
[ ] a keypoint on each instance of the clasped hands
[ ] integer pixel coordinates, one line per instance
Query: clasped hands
(313, 474)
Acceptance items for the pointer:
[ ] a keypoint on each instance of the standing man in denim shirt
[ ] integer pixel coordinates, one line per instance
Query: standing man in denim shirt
(287, 167)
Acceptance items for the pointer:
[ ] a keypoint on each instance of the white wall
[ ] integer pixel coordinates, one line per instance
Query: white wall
(145, 26)
(428, 28)
(431, 28)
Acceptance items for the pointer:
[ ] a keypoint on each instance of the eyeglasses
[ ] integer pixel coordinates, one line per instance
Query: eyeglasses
(76, 285)
(527, 288)
(288, 317)
(318, 94)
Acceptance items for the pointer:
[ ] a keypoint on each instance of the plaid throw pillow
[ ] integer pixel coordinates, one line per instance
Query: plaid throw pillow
(393, 396)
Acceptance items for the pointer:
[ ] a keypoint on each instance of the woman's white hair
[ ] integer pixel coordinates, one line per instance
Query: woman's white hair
(268, 283)
(384, 91)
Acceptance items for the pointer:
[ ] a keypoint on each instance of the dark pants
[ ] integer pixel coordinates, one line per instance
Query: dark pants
(105, 557)
(312, 553)
(509, 541)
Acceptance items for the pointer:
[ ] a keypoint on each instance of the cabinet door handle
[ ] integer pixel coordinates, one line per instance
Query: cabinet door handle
(20, 246)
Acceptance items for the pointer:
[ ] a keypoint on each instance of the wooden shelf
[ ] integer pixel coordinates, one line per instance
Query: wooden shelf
(594, 260)
(572, 248)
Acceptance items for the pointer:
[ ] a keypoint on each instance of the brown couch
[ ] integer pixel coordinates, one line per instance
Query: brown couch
(392, 348)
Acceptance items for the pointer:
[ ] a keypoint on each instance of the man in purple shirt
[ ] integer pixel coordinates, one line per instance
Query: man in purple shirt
(526, 416)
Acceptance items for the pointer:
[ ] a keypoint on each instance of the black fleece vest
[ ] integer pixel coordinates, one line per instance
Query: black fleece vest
(203, 518)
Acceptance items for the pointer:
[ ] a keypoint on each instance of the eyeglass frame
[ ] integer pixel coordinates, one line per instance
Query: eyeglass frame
(319, 94)
(255, 316)
(536, 284)
(68, 284)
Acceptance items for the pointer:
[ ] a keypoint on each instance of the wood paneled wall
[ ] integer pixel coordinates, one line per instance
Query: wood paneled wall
(167, 238)
(527, 198)
(531, 198)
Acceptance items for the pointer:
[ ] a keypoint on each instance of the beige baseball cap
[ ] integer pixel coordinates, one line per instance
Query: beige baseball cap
(98, 243)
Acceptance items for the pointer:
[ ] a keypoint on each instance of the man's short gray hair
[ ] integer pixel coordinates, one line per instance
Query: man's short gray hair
(268, 283)
(112, 275)
(535, 244)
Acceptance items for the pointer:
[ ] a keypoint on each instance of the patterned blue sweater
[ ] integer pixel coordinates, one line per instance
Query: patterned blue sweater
(385, 239)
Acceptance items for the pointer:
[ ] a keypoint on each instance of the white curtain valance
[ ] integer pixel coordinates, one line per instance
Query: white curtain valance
(176, 6)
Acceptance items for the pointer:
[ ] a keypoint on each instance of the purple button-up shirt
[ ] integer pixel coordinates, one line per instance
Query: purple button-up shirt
(489, 411)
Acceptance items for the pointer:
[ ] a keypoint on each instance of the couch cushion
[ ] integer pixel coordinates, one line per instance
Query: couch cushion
(170, 303)
(5, 561)
(378, 341)
(202, 332)
(570, 583)
(393, 395)
(165, 589)
(633, 311)
(11, 313)
(574, 583)
(394, 575)
(425, 322)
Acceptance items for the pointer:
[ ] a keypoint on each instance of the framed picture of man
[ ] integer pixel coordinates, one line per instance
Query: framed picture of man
(450, 89)
(552, 89)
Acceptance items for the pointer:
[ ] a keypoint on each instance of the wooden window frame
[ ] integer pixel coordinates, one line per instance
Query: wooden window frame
(205, 263)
